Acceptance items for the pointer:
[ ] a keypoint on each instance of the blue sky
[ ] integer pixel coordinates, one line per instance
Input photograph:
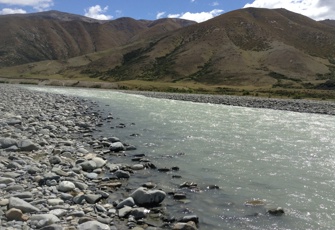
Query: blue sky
(197, 10)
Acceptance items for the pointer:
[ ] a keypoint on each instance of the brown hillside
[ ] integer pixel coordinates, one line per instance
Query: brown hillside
(58, 36)
(243, 47)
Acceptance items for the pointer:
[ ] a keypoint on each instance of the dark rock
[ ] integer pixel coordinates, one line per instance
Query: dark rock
(145, 197)
(276, 211)
(213, 187)
(122, 174)
(55, 160)
(139, 213)
(192, 218)
(179, 196)
(163, 169)
(92, 198)
(126, 202)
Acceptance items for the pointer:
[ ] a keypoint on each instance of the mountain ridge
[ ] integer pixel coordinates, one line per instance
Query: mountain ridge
(56, 35)
(251, 46)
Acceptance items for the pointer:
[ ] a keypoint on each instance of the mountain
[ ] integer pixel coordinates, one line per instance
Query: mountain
(54, 35)
(328, 22)
(247, 47)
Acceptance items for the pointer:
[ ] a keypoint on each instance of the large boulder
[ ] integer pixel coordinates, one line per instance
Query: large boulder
(7, 142)
(27, 145)
(145, 197)
(24, 206)
(117, 147)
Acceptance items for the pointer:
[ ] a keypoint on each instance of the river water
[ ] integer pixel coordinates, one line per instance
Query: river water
(284, 159)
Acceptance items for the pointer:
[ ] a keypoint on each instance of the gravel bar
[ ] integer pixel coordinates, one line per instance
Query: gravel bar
(295, 105)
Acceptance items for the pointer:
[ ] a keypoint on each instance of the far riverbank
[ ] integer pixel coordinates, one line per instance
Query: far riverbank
(295, 105)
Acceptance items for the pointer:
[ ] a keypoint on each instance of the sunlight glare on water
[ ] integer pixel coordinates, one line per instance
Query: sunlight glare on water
(283, 158)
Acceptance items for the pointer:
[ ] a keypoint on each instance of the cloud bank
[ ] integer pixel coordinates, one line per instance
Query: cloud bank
(97, 12)
(198, 17)
(39, 5)
(316, 9)
(12, 11)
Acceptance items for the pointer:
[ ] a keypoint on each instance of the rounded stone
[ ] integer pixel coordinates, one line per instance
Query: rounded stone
(55, 160)
(15, 214)
(66, 186)
(93, 225)
(145, 197)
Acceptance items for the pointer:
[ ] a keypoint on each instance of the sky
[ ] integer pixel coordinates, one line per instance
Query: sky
(196, 10)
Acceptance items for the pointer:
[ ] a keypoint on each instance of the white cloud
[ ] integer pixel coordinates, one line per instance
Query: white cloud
(316, 9)
(12, 11)
(198, 17)
(97, 12)
(36, 4)
(160, 15)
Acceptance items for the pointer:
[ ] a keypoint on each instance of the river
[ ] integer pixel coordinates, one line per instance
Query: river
(284, 159)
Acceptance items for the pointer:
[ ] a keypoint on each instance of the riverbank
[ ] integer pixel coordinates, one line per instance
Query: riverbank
(279, 99)
(294, 105)
(54, 172)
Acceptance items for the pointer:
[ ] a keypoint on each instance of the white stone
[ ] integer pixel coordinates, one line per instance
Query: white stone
(66, 186)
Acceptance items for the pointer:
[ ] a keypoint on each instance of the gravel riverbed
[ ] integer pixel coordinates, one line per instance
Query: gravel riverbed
(295, 105)
(54, 174)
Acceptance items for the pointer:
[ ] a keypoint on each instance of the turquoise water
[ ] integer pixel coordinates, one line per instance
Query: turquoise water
(283, 158)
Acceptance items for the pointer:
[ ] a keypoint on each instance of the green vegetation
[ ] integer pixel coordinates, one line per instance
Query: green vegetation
(91, 73)
(279, 76)
(205, 72)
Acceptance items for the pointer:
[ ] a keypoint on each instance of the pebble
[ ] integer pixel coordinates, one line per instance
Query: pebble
(66, 186)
